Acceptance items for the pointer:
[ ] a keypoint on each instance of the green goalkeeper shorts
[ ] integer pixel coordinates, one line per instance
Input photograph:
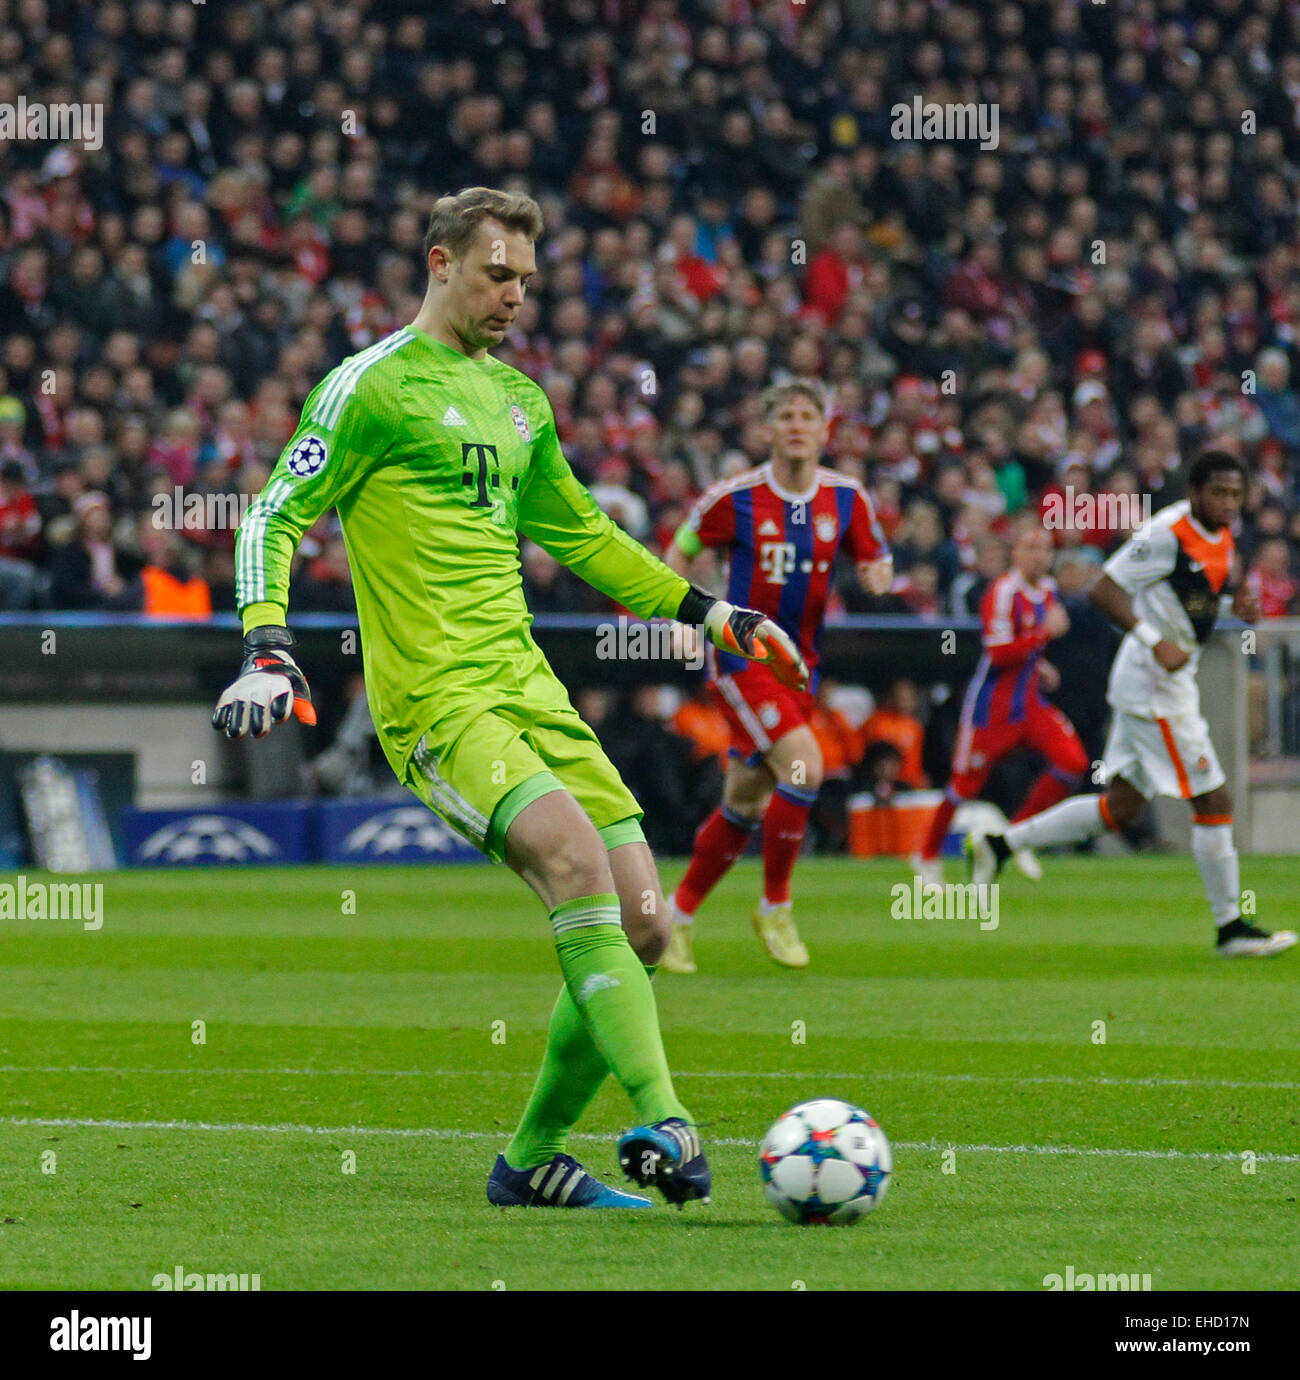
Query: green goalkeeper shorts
(479, 767)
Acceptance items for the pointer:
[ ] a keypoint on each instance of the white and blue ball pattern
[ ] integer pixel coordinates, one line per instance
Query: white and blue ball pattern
(308, 457)
(825, 1162)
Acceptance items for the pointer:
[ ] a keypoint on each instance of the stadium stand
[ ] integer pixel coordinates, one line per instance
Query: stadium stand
(1081, 307)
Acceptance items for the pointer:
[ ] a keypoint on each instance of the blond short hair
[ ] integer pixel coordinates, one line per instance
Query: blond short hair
(804, 388)
(454, 220)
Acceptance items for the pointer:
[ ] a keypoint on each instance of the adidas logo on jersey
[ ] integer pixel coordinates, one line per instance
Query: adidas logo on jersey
(453, 418)
(769, 529)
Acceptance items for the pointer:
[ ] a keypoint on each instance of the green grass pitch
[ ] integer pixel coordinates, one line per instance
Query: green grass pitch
(1023, 1144)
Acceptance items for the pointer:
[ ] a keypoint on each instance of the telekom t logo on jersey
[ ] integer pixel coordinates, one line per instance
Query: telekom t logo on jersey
(474, 456)
(776, 559)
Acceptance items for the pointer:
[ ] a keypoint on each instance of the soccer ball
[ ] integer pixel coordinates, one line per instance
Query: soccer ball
(825, 1161)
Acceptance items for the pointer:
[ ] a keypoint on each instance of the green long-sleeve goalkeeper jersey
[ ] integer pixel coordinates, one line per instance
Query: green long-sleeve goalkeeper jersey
(436, 462)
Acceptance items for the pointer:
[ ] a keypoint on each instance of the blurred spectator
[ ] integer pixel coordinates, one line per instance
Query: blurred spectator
(549, 586)
(324, 585)
(20, 528)
(166, 585)
(701, 724)
(90, 571)
(841, 747)
(654, 763)
(969, 588)
(13, 424)
(699, 720)
(1271, 578)
(218, 571)
(921, 539)
(1277, 400)
(880, 772)
(835, 272)
(611, 492)
(896, 722)
(176, 448)
(919, 589)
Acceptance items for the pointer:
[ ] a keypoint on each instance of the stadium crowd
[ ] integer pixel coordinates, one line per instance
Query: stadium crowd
(1072, 312)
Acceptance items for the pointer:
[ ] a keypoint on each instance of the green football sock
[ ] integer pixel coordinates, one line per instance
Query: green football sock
(571, 1074)
(603, 1020)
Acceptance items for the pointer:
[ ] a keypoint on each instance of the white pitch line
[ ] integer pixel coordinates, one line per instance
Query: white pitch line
(442, 1133)
(878, 1076)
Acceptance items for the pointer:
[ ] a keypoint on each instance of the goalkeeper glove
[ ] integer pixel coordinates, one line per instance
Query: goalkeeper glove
(270, 687)
(748, 633)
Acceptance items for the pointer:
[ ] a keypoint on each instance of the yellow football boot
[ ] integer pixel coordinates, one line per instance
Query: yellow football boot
(678, 956)
(780, 938)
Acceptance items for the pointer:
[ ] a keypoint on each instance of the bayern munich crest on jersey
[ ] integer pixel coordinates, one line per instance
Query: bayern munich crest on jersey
(827, 527)
(521, 421)
(308, 457)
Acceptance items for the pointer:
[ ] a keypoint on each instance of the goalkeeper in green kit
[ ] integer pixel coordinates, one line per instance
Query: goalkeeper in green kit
(437, 457)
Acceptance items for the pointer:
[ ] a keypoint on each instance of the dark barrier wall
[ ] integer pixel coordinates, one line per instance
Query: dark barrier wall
(103, 657)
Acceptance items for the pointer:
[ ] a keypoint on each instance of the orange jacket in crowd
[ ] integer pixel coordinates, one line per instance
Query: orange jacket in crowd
(842, 745)
(703, 723)
(167, 597)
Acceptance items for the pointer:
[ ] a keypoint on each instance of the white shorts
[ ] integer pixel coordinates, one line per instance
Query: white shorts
(1163, 756)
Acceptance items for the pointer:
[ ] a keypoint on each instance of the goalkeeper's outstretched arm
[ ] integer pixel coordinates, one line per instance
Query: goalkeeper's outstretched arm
(336, 442)
(563, 518)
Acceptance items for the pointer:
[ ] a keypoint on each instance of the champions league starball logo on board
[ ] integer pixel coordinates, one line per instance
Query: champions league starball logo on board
(406, 830)
(208, 838)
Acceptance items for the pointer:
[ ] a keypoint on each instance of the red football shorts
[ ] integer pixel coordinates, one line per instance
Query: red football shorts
(1044, 727)
(759, 710)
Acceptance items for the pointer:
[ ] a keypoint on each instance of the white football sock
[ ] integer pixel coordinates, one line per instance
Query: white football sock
(1072, 821)
(1216, 856)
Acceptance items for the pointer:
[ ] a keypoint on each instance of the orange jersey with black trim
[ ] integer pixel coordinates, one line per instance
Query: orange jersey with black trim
(1176, 572)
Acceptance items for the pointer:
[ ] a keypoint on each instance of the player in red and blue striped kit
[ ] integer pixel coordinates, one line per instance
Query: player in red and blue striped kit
(1004, 708)
(782, 526)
